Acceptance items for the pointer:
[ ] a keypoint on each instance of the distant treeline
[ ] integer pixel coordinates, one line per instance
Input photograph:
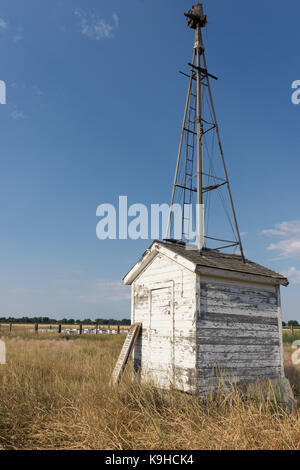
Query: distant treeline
(64, 321)
(291, 323)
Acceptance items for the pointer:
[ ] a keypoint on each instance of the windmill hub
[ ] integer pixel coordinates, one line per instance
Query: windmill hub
(196, 17)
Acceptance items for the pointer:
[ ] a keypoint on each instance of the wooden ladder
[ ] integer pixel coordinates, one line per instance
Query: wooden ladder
(126, 350)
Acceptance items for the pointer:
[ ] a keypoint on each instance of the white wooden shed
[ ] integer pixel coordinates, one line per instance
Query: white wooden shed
(204, 315)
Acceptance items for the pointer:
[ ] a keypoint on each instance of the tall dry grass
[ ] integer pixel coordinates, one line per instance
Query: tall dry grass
(55, 395)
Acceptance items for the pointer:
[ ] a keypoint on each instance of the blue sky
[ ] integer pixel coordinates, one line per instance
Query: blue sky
(94, 109)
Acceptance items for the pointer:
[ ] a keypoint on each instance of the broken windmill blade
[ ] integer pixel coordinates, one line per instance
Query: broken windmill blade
(126, 350)
(201, 171)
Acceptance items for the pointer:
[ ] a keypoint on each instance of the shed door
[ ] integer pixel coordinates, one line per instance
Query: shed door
(161, 336)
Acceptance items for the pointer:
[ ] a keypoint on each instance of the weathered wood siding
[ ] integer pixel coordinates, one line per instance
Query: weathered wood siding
(237, 331)
(164, 301)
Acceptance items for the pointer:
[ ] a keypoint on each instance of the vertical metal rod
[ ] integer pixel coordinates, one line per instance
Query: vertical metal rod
(180, 145)
(199, 208)
(223, 159)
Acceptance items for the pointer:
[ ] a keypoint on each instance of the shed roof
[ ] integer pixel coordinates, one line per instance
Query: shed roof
(217, 260)
(229, 262)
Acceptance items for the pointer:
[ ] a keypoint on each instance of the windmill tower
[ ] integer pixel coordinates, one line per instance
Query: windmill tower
(201, 155)
(204, 312)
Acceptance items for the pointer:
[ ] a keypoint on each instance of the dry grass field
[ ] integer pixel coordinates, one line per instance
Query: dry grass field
(55, 395)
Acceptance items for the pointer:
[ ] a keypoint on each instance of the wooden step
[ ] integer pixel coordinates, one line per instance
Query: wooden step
(126, 350)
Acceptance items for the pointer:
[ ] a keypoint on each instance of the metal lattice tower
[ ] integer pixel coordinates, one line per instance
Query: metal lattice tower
(195, 175)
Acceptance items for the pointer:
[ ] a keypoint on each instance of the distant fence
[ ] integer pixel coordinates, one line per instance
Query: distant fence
(291, 334)
(291, 329)
(66, 329)
(93, 329)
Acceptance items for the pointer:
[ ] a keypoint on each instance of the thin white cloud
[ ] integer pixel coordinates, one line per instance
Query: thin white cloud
(289, 245)
(96, 28)
(37, 90)
(16, 114)
(287, 248)
(285, 229)
(293, 274)
(25, 291)
(16, 33)
(30, 88)
(116, 20)
(94, 290)
(18, 37)
(3, 25)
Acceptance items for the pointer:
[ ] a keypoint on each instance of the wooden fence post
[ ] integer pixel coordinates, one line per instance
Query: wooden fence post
(36, 328)
(80, 329)
(10, 327)
(118, 329)
(96, 328)
(59, 328)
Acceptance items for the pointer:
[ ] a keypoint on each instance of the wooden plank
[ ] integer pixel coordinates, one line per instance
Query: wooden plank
(227, 349)
(230, 288)
(223, 333)
(240, 340)
(125, 352)
(233, 372)
(238, 364)
(239, 327)
(207, 357)
(234, 319)
(236, 276)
